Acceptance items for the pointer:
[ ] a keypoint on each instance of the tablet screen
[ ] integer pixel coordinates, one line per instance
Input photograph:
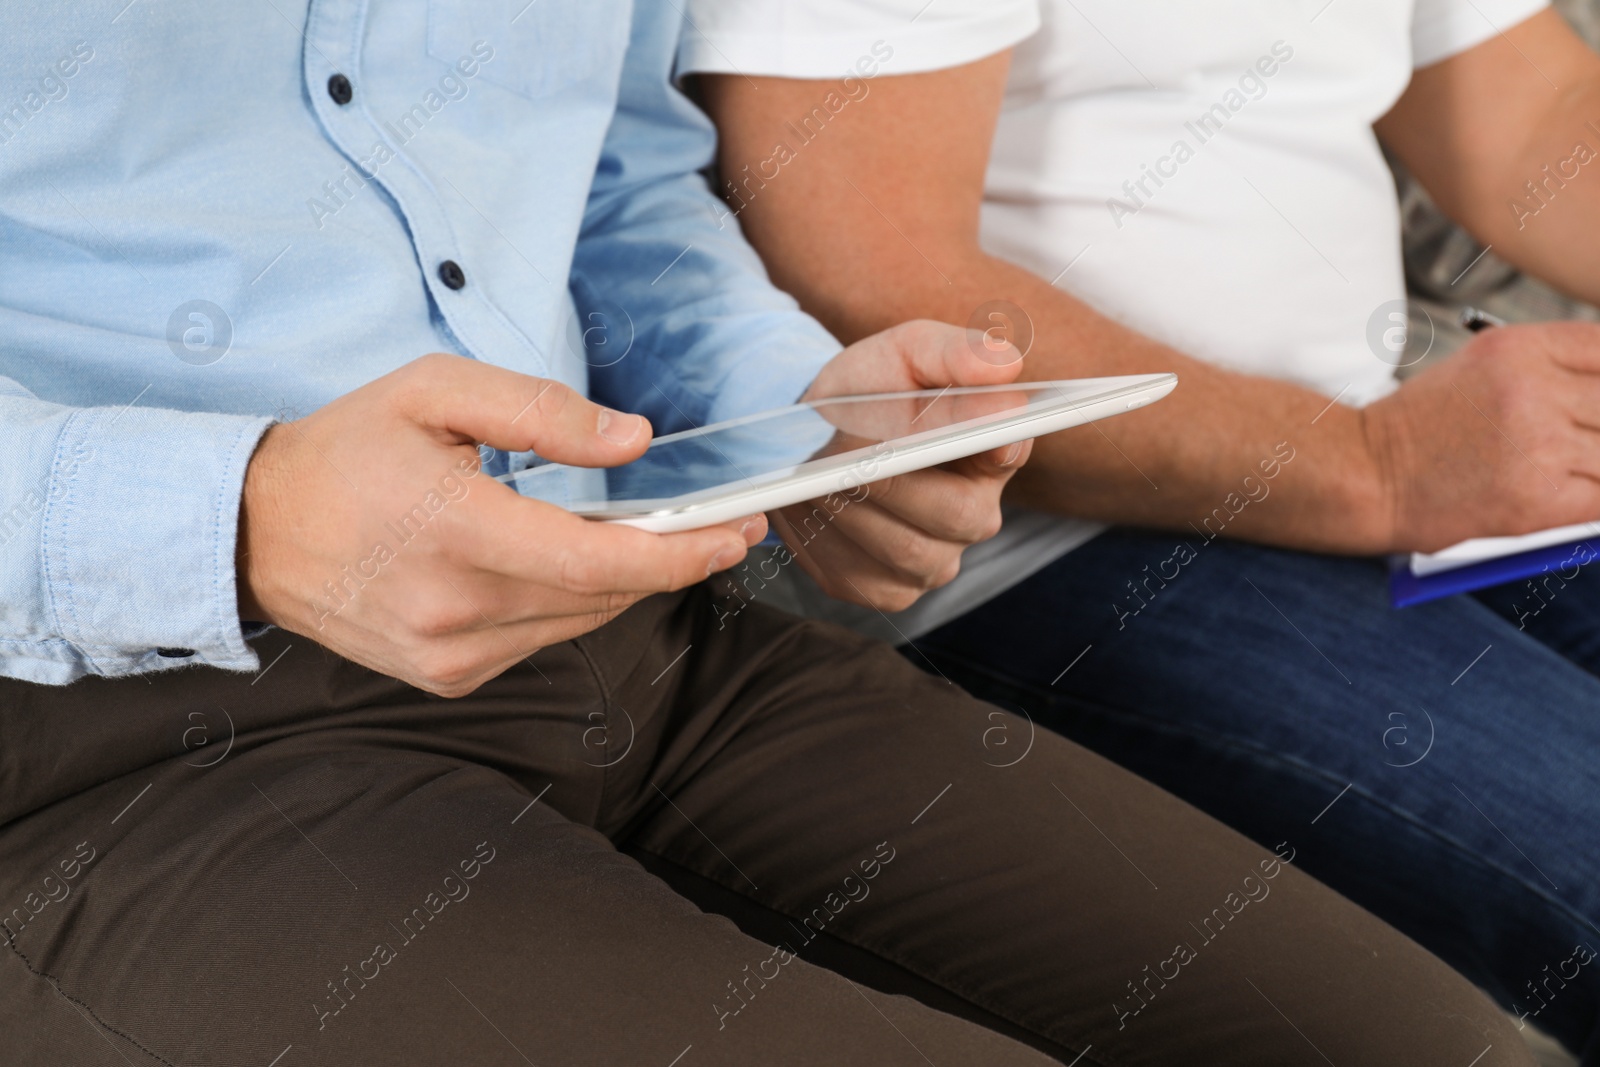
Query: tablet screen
(841, 432)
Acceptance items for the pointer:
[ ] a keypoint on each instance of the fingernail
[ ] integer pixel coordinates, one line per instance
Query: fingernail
(616, 427)
(1012, 455)
(746, 528)
(723, 560)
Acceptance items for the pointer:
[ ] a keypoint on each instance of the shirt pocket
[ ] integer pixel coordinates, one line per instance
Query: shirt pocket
(536, 49)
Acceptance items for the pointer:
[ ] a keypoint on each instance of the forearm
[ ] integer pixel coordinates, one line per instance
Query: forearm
(1215, 454)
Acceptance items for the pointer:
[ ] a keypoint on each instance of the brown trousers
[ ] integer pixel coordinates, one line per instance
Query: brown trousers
(320, 865)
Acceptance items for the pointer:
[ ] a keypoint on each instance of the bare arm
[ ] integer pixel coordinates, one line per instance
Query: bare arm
(876, 221)
(1494, 135)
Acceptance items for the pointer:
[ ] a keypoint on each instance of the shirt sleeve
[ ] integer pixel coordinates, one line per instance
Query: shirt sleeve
(1444, 28)
(117, 538)
(848, 38)
(693, 330)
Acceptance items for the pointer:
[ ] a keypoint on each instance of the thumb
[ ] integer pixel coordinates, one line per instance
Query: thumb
(471, 401)
(967, 357)
(937, 354)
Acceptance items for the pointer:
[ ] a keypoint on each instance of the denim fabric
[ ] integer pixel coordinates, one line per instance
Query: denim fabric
(1437, 765)
(198, 236)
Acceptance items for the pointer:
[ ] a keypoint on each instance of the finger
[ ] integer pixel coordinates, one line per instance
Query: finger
(1586, 500)
(481, 601)
(916, 355)
(1583, 451)
(516, 412)
(923, 560)
(459, 664)
(492, 598)
(1582, 394)
(846, 571)
(1574, 346)
(509, 642)
(1002, 462)
(953, 505)
(444, 606)
(541, 543)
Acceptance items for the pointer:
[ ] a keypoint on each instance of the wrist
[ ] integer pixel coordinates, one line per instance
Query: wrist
(253, 507)
(1377, 484)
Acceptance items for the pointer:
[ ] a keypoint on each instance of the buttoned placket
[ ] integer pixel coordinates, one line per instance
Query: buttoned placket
(332, 74)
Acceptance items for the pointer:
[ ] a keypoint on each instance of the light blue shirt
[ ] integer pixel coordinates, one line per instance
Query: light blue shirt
(197, 237)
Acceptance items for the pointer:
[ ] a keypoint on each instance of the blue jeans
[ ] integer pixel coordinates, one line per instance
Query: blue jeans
(1437, 764)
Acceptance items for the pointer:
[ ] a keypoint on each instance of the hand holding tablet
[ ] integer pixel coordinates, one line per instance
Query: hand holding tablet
(701, 477)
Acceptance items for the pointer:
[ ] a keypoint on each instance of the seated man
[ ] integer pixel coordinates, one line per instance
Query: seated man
(227, 232)
(1198, 189)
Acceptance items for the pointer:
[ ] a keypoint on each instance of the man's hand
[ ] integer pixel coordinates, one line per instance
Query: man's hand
(906, 535)
(368, 527)
(1501, 438)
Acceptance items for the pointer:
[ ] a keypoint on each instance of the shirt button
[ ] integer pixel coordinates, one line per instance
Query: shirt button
(175, 653)
(340, 89)
(452, 275)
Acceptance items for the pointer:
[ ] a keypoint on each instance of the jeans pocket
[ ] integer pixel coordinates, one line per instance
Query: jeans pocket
(536, 48)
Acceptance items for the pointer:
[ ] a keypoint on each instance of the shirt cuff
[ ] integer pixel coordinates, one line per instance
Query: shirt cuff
(780, 376)
(862, 46)
(138, 543)
(1453, 28)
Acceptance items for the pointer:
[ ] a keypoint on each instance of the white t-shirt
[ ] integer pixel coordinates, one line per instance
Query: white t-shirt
(1206, 174)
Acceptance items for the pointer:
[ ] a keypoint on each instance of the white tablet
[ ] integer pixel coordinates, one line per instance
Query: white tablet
(838, 445)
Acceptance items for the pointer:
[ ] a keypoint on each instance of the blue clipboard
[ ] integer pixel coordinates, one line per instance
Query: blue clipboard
(1406, 588)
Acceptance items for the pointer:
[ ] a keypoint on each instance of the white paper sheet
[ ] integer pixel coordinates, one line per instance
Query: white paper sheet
(1479, 549)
